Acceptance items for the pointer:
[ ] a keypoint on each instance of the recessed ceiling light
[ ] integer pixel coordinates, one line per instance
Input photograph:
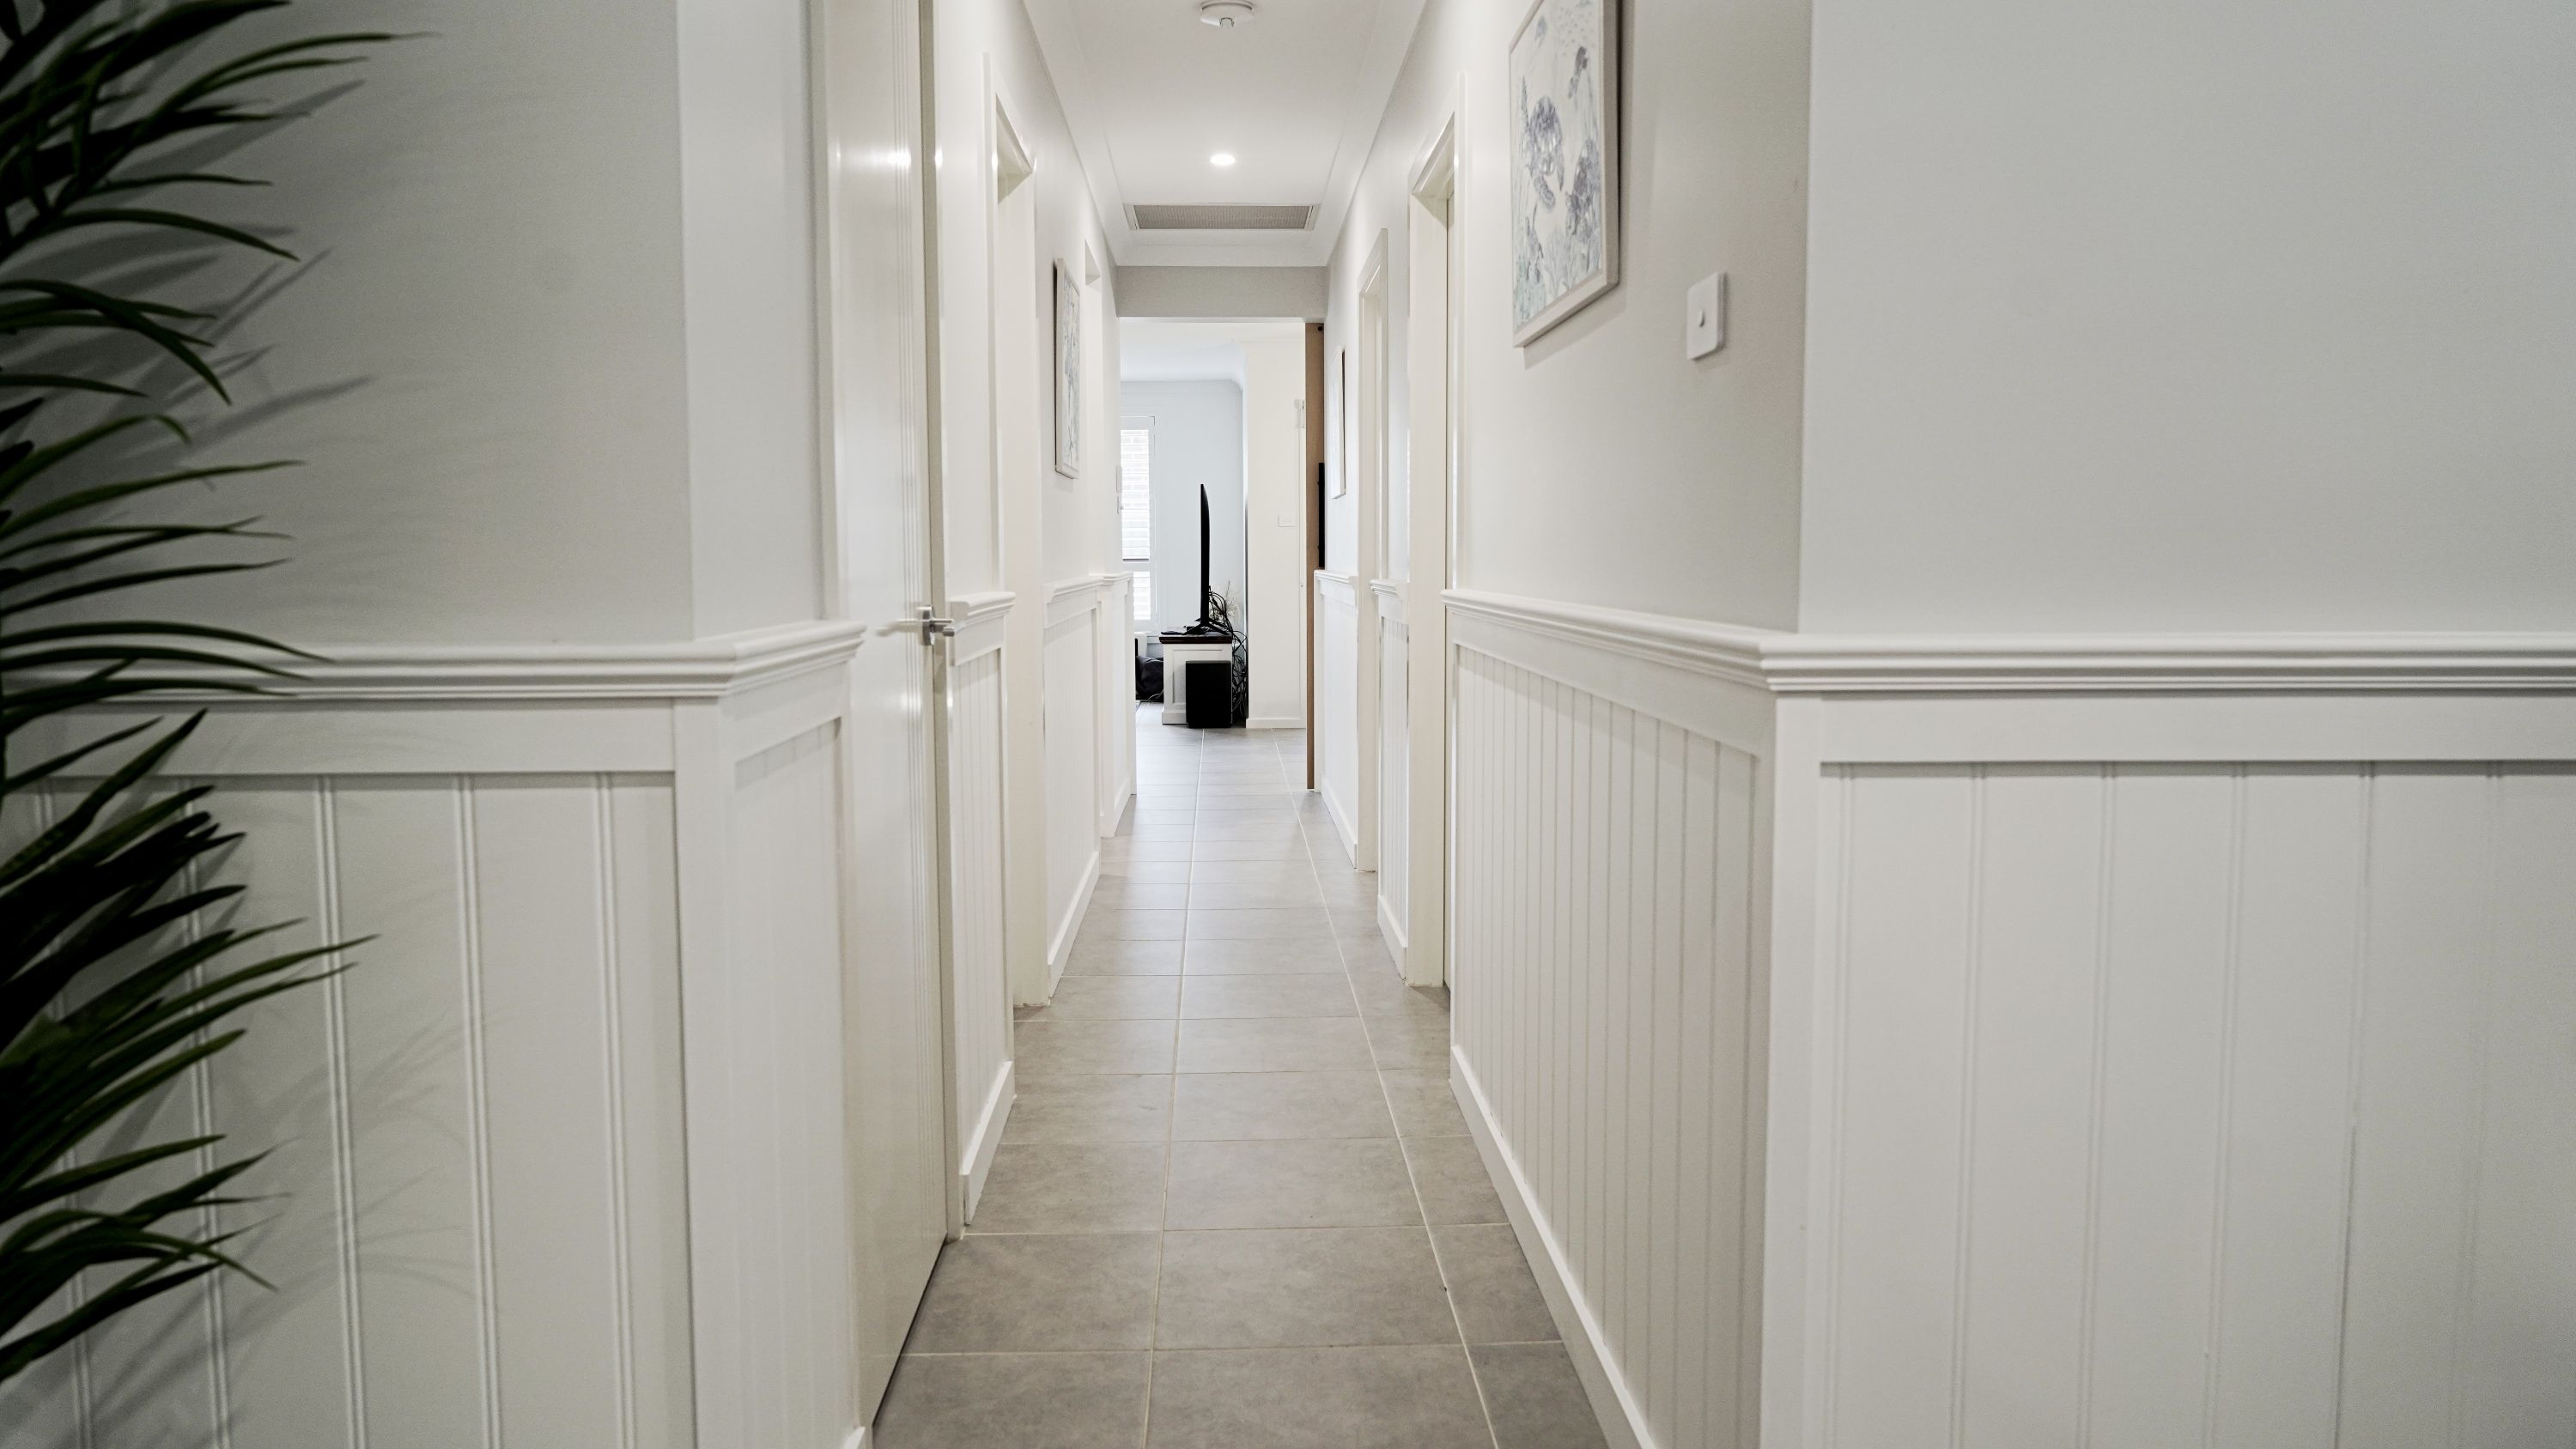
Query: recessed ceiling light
(1221, 158)
(1225, 14)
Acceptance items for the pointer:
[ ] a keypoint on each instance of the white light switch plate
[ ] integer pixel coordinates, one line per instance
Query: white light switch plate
(1705, 317)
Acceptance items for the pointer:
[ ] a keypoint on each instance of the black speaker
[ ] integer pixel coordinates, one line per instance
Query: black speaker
(1207, 694)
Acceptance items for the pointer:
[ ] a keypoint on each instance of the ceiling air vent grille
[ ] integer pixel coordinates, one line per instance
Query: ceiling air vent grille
(1222, 218)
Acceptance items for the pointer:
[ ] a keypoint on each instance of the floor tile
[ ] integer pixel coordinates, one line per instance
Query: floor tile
(1097, 956)
(1368, 953)
(1292, 847)
(1163, 872)
(1159, 831)
(1242, 895)
(1091, 1109)
(1451, 1178)
(1535, 1397)
(1383, 993)
(1117, 925)
(1211, 996)
(1251, 872)
(1054, 1187)
(1080, 1048)
(1490, 1282)
(1404, 1397)
(1273, 1044)
(1127, 847)
(1268, 825)
(1109, 998)
(1015, 1401)
(1249, 1106)
(1115, 894)
(1301, 1288)
(1305, 923)
(1357, 895)
(1424, 1105)
(1039, 1294)
(1410, 1042)
(1334, 1183)
(1261, 958)
(1354, 921)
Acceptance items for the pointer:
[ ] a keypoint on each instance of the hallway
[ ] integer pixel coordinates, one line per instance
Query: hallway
(1236, 1206)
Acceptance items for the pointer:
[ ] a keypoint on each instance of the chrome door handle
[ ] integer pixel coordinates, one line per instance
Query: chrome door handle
(935, 627)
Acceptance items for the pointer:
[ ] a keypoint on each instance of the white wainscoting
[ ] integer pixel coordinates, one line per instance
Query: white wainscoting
(1394, 758)
(1606, 879)
(979, 963)
(2111, 1041)
(1074, 687)
(1337, 723)
(486, 1231)
(2197, 1103)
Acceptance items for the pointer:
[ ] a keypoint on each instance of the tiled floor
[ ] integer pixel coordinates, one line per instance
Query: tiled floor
(1236, 1206)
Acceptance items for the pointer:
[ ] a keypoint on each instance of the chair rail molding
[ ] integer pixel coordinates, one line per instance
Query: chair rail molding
(2226, 977)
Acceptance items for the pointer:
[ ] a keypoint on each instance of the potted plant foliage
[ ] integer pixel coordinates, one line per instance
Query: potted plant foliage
(111, 115)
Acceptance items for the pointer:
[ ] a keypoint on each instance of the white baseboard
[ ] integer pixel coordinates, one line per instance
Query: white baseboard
(1342, 827)
(987, 1139)
(1274, 722)
(1623, 1419)
(1060, 943)
(1391, 926)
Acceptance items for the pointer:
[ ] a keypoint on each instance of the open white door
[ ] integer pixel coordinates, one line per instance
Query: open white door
(875, 328)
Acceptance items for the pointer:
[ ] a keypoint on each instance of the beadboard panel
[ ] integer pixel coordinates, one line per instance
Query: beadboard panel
(1072, 773)
(768, 1139)
(477, 1228)
(980, 1002)
(2218, 1104)
(1337, 720)
(1394, 757)
(1605, 870)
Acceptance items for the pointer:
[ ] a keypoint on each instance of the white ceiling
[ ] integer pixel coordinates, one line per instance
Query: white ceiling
(1295, 95)
(1156, 351)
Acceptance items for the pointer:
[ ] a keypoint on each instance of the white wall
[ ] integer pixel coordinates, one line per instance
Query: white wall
(1598, 464)
(984, 49)
(1275, 527)
(2191, 316)
(747, 229)
(1198, 439)
(1228, 293)
(482, 361)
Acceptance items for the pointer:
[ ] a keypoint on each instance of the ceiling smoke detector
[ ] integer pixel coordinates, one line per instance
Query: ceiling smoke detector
(1225, 14)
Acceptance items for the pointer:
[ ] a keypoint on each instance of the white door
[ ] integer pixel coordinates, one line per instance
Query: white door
(868, 90)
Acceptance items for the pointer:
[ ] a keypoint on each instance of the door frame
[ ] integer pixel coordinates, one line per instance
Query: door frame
(1433, 333)
(1368, 444)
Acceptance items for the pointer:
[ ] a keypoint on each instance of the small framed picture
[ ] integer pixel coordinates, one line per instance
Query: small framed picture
(1564, 98)
(1068, 372)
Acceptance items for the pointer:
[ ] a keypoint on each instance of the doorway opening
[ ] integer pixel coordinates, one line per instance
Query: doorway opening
(1213, 431)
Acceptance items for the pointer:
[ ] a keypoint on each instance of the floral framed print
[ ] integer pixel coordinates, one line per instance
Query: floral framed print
(1564, 80)
(1068, 373)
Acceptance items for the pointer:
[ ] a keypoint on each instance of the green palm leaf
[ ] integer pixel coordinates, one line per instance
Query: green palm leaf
(115, 980)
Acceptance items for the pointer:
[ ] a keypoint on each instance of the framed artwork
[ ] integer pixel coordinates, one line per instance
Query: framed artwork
(1350, 422)
(1564, 81)
(1068, 373)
